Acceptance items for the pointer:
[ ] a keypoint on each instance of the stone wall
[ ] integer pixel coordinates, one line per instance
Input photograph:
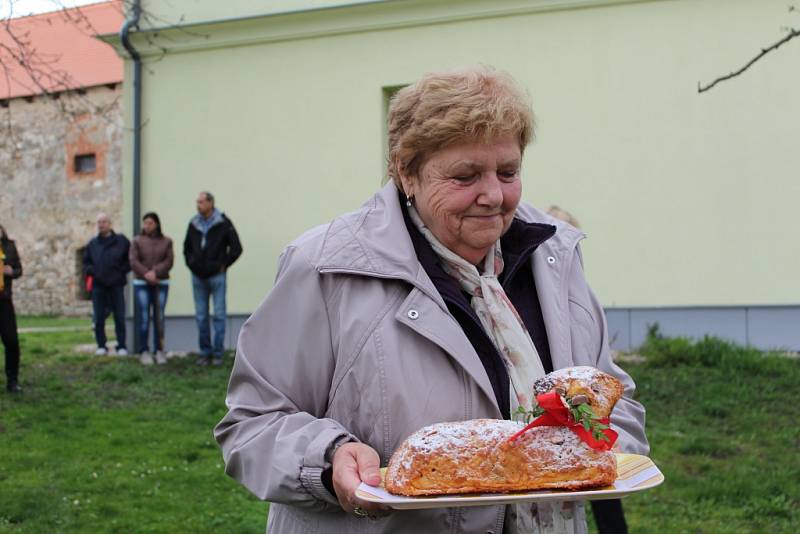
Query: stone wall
(51, 189)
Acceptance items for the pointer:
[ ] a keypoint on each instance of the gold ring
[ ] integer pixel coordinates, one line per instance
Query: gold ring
(360, 512)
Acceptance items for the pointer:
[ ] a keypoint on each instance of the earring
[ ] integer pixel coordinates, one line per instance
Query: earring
(409, 201)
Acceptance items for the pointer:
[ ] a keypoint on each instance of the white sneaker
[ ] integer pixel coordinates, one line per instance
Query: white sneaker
(146, 358)
(122, 352)
(161, 359)
(100, 351)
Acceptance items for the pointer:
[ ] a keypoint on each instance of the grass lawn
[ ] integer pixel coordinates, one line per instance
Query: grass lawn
(50, 321)
(723, 427)
(106, 445)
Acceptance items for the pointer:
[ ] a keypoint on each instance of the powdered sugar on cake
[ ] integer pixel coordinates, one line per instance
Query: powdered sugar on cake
(557, 448)
(478, 456)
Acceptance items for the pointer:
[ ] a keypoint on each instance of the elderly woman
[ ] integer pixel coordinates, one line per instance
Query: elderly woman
(443, 298)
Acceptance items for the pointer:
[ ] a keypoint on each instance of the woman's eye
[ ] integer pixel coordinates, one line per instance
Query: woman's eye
(465, 178)
(508, 176)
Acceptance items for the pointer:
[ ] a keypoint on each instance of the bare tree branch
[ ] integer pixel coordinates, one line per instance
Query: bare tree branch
(764, 51)
(40, 74)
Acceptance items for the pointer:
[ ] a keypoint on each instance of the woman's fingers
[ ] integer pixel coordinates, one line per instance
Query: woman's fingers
(354, 463)
(369, 465)
(346, 472)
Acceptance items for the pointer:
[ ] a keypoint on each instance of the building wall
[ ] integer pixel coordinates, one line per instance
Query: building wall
(191, 13)
(48, 207)
(687, 199)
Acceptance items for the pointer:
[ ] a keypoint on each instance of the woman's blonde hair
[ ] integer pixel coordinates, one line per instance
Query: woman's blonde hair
(443, 108)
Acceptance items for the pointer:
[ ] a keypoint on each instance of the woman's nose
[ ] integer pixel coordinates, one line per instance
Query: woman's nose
(491, 193)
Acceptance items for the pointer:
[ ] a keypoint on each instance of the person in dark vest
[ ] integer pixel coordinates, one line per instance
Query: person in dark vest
(210, 248)
(106, 266)
(12, 269)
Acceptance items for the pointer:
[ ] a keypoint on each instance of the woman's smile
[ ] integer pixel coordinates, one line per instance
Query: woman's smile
(467, 193)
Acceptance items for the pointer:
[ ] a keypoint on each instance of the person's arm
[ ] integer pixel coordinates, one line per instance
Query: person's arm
(13, 261)
(628, 416)
(275, 437)
(134, 258)
(88, 263)
(187, 247)
(125, 246)
(234, 249)
(163, 267)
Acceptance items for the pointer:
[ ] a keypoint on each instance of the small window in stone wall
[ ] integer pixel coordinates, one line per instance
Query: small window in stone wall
(85, 163)
(82, 293)
(86, 145)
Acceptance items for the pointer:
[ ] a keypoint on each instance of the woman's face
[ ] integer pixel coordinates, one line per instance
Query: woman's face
(467, 193)
(149, 226)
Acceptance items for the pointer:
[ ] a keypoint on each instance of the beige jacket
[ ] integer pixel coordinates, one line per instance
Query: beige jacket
(355, 341)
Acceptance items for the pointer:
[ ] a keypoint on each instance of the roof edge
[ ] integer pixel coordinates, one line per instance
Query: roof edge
(336, 20)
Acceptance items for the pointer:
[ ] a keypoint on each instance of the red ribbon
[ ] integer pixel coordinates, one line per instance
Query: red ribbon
(556, 414)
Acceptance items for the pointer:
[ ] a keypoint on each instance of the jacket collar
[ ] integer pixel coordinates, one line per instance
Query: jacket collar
(375, 241)
(105, 238)
(518, 243)
(203, 225)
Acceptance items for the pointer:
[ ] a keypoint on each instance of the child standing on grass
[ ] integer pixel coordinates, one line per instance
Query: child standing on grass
(12, 268)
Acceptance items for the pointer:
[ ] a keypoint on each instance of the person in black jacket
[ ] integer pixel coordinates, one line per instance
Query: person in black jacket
(12, 268)
(210, 247)
(106, 266)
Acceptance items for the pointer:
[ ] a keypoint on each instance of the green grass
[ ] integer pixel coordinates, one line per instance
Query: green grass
(722, 421)
(106, 445)
(27, 321)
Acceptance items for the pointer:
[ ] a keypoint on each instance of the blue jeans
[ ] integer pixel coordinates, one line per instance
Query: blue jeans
(146, 298)
(107, 299)
(214, 288)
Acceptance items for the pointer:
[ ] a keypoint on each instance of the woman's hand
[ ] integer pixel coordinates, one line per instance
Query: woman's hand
(151, 277)
(354, 463)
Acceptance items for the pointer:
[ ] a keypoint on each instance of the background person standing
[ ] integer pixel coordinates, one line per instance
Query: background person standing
(210, 247)
(151, 259)
(106, 262)
(11, 268)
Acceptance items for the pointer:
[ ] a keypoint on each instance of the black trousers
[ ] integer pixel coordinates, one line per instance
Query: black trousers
(108, 299)
(609, 517)
(8, 332)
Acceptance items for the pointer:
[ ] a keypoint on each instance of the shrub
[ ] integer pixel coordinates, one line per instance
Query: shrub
(710, 351)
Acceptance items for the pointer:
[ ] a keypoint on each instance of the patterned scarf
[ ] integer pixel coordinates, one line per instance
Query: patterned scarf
(504, 326)
(497, 314)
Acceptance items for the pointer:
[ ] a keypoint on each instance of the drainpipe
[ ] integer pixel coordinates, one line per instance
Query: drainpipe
(130, 22)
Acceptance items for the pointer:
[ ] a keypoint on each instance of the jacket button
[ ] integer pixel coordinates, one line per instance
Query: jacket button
(412, 314)
(551, 260)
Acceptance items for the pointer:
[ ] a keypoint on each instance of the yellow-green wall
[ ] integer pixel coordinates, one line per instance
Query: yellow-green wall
(688, 199)
(190, 12)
